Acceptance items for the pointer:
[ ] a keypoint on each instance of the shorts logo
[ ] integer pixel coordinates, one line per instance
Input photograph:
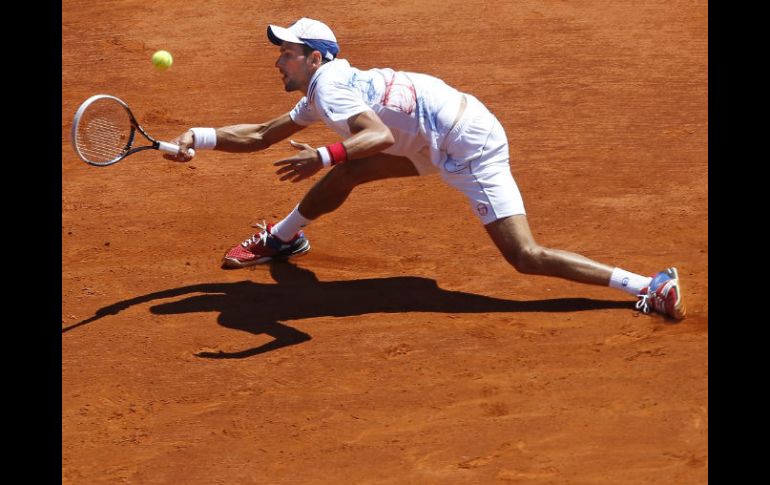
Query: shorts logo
(454, 166)
(482, 209)
(624, 282)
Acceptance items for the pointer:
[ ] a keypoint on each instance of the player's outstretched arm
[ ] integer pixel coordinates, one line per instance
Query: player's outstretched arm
(251, 138)
(242, 138)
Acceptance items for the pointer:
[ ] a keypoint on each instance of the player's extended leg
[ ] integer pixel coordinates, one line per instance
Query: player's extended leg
(285, 239)
(514, 239)
(478, 165)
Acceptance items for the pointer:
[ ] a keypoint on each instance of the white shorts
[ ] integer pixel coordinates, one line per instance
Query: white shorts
(477, 164)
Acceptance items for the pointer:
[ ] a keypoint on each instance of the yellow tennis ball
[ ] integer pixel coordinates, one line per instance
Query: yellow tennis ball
(162, 60)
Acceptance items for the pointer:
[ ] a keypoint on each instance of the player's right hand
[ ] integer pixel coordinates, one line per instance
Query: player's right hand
(185, 142)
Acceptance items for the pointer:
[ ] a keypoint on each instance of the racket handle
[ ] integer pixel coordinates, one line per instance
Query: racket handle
(168, 147)
(173, 149)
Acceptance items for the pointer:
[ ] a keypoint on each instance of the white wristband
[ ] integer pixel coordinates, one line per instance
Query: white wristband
(326, 157)
(204, 137)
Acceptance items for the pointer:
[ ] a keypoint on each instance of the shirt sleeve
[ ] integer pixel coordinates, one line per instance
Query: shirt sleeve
(304, 113)
(340, 101)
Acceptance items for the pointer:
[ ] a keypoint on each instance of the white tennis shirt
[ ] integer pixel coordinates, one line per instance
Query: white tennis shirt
(419, 109)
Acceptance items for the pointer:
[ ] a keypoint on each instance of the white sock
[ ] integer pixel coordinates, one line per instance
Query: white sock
(288, 227)
(631, 283)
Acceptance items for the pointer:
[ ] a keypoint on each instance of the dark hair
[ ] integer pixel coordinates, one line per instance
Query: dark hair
(307, 50)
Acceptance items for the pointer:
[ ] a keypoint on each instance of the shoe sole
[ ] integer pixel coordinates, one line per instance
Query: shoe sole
(680, 311)
(234, 263)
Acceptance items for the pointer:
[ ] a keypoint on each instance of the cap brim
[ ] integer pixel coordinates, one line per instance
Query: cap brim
(279, 34)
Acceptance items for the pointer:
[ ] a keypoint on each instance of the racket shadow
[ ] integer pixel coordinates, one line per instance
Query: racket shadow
(261, 308)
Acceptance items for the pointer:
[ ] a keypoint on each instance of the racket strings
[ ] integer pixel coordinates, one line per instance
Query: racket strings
(104, 132)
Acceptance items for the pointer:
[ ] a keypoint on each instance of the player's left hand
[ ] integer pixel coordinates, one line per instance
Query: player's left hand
(304, 164)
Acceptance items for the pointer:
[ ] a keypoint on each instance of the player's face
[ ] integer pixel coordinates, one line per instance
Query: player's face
(295, 67)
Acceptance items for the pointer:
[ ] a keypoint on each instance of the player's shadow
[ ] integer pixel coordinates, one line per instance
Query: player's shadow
(260, 308)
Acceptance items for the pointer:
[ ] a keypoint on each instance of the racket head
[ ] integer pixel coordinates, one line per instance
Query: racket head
(103, 130)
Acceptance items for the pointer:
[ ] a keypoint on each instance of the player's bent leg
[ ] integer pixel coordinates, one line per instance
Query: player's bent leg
(332, 189)
(514, 239)
(325, 196)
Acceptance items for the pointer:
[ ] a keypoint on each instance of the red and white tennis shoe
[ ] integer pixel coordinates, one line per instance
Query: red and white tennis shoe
(263, 247)
(664, 295)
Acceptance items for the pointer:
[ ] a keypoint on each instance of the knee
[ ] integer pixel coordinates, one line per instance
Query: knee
(527, 260)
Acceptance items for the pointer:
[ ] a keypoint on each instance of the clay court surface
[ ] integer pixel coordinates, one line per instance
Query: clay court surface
(402, 348)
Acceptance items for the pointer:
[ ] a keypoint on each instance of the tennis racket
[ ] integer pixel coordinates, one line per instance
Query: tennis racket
(104, 132)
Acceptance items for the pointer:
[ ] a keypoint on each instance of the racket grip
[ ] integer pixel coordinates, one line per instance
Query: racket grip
(168, 147)
(173, 149)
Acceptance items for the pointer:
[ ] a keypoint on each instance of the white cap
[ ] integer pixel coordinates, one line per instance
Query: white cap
(306, 31)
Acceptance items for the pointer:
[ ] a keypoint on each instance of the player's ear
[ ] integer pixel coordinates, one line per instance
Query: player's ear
(316, 58)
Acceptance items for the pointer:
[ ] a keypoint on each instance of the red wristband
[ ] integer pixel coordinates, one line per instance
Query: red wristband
(338, 153)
